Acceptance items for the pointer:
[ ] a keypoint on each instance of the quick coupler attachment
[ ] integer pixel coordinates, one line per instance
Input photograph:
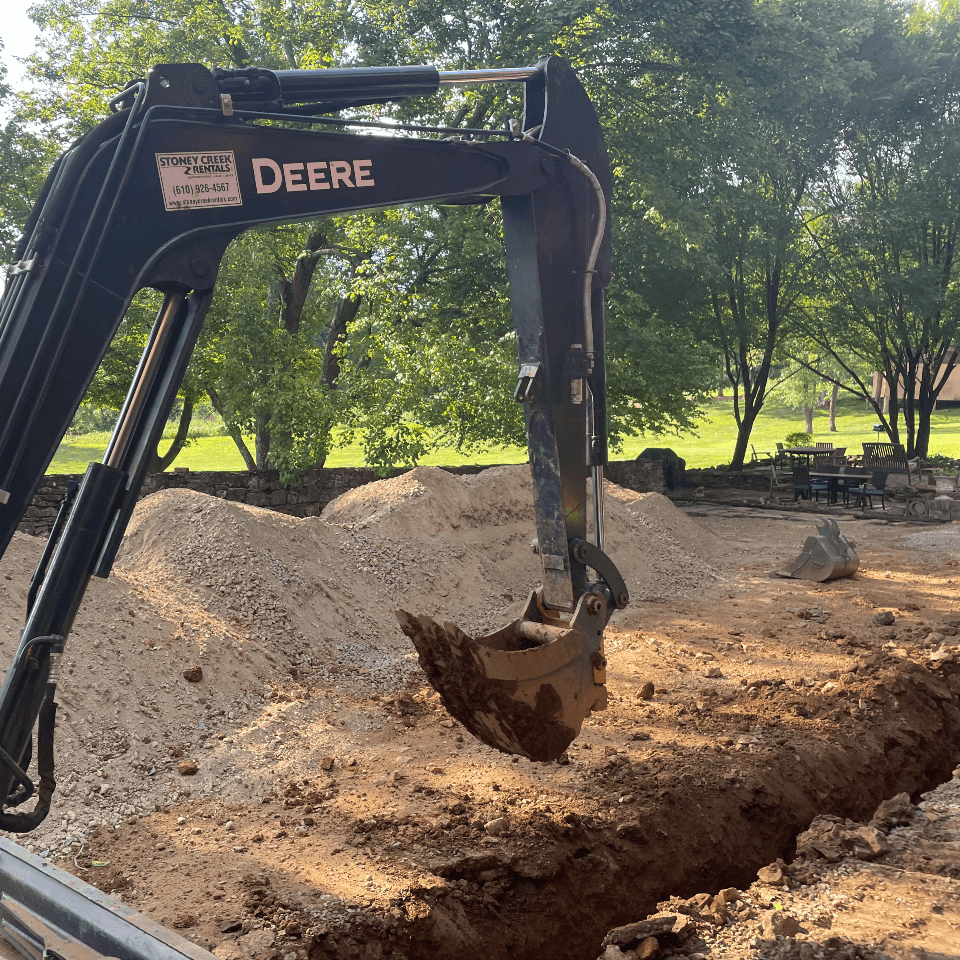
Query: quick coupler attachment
(525, 689)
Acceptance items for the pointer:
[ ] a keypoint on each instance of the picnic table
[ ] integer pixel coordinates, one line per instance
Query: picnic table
(850, 478)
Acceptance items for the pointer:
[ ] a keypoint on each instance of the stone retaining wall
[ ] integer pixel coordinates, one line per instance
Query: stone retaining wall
(263, 489)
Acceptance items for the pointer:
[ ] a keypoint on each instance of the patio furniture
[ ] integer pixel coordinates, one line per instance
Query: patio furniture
(779, 482)
(891, 457)
(839, 479)
(804, 487)
(763, 457)
(874, 488)
(801, 454)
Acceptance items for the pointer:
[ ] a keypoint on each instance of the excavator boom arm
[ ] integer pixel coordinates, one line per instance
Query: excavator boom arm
(152, 197)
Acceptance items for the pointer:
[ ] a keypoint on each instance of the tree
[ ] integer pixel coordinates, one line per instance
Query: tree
(24, 157)
(351, 341)
(887, 237)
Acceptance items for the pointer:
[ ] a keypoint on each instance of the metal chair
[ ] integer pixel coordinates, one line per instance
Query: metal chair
(875, 488)
(804, 488)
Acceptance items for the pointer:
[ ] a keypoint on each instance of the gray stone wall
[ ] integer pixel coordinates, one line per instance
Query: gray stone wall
(263, 489)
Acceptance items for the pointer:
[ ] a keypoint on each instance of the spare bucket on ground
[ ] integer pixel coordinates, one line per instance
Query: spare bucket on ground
(825, 557)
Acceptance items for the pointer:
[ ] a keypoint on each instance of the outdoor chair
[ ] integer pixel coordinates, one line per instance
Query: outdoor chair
(824, 446)
(762, 457)
(875, 488)
(779, 483)
(780, 457)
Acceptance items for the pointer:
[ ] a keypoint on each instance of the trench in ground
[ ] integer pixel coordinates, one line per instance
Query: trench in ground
(705, 829)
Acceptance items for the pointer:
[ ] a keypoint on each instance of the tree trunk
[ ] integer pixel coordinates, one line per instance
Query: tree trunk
(345, 313)
(808, 419)
(833, 407)
(248, 460)
(262, 446)
(160, 463)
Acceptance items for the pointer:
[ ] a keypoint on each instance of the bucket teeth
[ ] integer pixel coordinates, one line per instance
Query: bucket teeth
(525, 689)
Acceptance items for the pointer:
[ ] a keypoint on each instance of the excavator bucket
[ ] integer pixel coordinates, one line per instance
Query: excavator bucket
(525, 689)
(825, 557)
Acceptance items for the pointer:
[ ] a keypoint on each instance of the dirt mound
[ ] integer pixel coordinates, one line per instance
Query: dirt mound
(470, 537)
(285, 587)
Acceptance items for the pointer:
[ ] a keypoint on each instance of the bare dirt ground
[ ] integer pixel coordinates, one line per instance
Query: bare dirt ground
(248, 752)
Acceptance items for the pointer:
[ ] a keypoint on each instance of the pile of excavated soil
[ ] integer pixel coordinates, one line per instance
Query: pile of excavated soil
(463, 543)
(274, 608)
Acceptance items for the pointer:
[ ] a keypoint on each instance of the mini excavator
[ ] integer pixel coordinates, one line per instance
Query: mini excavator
(190, 158)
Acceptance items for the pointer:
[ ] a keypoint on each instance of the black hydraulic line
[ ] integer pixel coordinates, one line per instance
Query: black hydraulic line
(65, 506)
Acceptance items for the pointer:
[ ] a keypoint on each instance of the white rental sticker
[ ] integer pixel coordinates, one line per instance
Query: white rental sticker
(191, 180)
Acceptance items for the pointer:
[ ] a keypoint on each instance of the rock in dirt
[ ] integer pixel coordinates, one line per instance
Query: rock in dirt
(884, 619)
(664, 927)
(648, 949)
(646, 691)
(831, 839)
(776, 923)
(770, 874)
(497, 827)
(193, 674)
(187, 768)
(894, 812)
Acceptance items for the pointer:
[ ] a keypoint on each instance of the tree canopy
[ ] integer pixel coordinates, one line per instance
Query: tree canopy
(782, 174)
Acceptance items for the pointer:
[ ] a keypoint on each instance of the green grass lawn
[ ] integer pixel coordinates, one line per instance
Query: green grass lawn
(710, 446)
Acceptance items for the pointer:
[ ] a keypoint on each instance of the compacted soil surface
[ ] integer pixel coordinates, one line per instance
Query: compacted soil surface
(248, 751)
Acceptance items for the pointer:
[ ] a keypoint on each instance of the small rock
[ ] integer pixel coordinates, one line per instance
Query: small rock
(646, 691)
(193, 674)
(187, 768)
(712, 672)
(770, 874)
(613, 953)
(183, 920)
(326, 763)
(648, 949)
(497, 827)
(231, 926)
(894, 812)
(229, 826)
(776, 923)
(884, 619)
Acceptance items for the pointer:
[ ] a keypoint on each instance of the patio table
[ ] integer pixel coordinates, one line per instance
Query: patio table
(833, 479)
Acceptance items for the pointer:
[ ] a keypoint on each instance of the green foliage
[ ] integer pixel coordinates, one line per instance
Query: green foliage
(741, 135)
(800, 438)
